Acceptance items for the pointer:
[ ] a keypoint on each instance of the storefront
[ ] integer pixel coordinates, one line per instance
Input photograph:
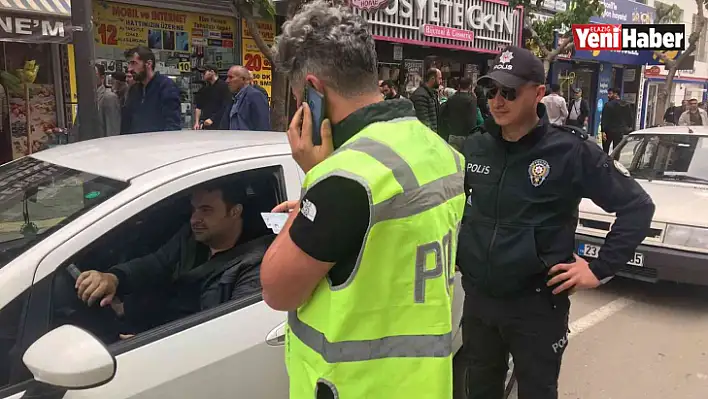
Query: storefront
(465, 35)
(183, 39)
(32, 35)
(595, 72)
(687, 85)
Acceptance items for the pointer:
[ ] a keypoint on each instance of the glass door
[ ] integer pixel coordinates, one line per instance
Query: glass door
(652, 96)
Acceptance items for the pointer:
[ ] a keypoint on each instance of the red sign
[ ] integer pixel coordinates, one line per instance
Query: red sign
(369, 5)
(444, 32)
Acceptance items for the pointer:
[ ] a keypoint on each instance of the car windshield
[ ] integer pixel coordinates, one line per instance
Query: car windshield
(37, 198)
(667, 157)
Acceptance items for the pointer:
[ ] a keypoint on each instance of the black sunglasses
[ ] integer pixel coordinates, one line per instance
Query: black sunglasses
(507, 93)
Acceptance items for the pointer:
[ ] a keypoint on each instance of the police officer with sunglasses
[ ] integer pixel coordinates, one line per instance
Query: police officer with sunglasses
(525, 179)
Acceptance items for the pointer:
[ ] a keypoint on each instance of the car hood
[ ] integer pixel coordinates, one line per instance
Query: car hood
(678, 203)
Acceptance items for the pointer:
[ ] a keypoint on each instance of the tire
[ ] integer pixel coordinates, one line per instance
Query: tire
(459, 379)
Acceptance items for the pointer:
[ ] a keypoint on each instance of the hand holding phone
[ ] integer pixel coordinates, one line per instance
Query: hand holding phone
(315, 100)
(300, 133)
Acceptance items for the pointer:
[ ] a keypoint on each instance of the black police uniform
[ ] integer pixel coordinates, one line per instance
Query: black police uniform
(519, 221)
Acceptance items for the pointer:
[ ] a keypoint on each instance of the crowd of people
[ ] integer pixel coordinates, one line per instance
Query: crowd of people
(689, 113)
(143, 100)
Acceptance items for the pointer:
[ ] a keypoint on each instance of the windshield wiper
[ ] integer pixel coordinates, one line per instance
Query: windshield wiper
(685, 178)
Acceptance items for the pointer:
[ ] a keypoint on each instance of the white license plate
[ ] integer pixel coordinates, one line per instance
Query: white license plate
(592, 251)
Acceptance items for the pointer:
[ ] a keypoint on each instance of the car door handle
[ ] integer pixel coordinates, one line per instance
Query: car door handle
(277, 336)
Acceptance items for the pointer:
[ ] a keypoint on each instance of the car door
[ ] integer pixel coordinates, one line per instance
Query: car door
(233, 350)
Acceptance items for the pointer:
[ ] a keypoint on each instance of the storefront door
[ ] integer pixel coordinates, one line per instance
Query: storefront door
(652, 96)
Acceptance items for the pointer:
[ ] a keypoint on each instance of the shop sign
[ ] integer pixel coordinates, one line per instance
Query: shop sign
(444, 32)
(369, 5)
(253, 59)
(451, 13)
(126, 26)
(35, 29)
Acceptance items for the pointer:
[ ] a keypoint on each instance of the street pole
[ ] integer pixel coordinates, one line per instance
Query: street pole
(89, 126)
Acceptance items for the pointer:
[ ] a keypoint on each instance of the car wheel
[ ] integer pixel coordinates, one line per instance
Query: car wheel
(460, 387)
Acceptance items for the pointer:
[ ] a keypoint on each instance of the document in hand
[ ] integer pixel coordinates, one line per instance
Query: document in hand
(275, 221)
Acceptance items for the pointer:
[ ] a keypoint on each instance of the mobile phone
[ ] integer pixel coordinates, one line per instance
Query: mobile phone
(316, 101)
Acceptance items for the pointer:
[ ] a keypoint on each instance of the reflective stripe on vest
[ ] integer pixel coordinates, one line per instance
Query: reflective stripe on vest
(414, 199)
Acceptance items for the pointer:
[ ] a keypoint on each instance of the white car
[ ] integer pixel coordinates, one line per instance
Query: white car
(96, 203)
(671, 164)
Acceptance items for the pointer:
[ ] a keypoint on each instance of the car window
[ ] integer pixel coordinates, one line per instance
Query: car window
(666, 157)
(178, 276)
(37, 197)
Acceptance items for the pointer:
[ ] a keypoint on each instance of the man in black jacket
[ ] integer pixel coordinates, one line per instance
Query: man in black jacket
(184, 275)
(458, 116)
(617, 120)
(578, 110)
(525, 179)
(425, 99)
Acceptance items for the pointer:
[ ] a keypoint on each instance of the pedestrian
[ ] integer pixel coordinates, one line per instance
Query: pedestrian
(673, 113)
(364, 258)
(693, 116)
(616, 120)
(556, 107)
(578, 110)
(109, 108)
(459, 115)
(425, 99)
(390, 91)
(248, 108)
(211, 100)
(525, 178)
(257, 86)
(153, 103)
(120, 86)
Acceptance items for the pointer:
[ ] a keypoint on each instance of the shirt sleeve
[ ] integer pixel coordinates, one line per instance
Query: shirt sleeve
(609, 185)
(333, 220)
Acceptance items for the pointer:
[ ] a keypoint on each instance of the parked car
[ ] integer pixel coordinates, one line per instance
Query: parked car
(93, 204)
(671, 163)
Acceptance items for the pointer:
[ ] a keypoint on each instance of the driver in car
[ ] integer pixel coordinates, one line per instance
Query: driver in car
(189, 272)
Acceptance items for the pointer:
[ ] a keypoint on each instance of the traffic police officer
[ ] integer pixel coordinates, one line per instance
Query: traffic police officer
(525, 179)
(365, 263)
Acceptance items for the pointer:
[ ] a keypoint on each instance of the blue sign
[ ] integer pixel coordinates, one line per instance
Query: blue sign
(622, 12)
(604, 83)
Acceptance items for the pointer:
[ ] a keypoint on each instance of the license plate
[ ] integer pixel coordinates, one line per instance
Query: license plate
(592, 251)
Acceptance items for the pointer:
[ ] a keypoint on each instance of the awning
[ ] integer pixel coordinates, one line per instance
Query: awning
(35, 21)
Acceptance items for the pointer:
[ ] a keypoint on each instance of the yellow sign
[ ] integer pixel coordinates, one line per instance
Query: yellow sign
(253, 58)
(184, 66)
(126, 26)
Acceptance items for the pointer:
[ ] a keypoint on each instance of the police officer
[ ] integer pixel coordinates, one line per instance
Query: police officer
(365, 263)
(525, 179)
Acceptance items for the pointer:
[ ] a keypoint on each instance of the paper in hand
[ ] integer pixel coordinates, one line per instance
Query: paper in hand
(275, 221)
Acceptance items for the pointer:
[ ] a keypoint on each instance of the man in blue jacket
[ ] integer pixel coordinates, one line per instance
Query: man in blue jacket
(153, 103)
(249, 109)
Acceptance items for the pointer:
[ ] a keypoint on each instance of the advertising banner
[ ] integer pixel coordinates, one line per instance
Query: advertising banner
(623, 12)
(126, 26)
(37, 28)
(604, 83)
(253, 59)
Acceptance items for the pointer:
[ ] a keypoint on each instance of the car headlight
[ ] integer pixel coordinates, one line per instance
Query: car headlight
(692, 237)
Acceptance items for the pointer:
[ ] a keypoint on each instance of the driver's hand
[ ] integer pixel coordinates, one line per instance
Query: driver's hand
(93, 286)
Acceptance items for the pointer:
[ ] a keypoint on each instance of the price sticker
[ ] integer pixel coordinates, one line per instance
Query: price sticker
(184, 66)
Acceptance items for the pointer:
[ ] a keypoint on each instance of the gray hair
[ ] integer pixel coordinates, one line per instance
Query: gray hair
(332, 43)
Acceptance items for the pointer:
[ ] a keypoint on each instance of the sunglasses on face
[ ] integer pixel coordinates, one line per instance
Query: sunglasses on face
(507, 93)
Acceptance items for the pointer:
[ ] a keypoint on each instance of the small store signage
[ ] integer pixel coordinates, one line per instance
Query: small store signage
(33, 29)
(444, 32)
(369, 5)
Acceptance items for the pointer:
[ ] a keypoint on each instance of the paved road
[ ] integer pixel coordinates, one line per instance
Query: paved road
(636, 340)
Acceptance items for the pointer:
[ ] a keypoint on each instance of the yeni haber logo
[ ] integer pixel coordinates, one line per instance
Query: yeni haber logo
(661, 37)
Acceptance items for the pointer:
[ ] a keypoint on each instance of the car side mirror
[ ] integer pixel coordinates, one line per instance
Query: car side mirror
(71, 358)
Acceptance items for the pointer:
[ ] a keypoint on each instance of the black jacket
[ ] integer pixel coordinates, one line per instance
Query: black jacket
(522, 208)
(182, 271)
(458, 116)
(427, 107)
(154, 107)
(583, 109)
(617, 117)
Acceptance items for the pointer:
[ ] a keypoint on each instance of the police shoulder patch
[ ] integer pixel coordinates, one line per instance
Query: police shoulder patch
(576, 131)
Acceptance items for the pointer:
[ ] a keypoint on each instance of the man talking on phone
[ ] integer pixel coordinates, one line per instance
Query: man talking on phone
(364, 264)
